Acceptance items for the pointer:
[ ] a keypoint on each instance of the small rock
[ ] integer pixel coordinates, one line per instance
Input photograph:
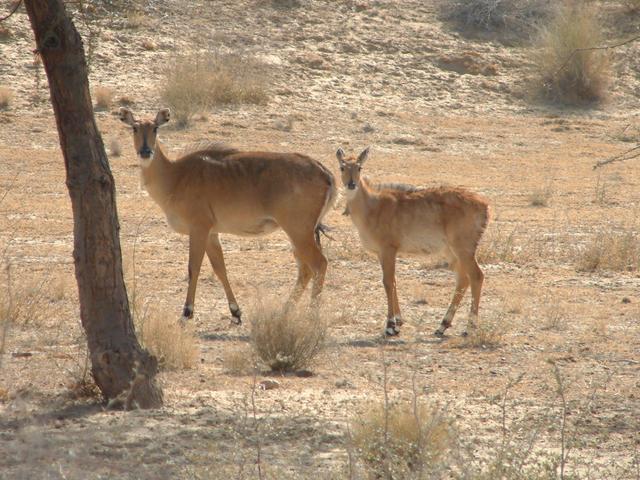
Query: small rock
(268, 384)
(304, 373)
(626, 300)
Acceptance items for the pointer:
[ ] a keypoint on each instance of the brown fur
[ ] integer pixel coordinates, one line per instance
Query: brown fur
(394, 219)
(218, 189)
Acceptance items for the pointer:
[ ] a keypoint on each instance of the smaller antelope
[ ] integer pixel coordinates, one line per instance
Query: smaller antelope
(393, 219)
(217, 189)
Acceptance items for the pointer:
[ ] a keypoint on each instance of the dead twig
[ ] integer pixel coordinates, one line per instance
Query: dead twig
(13, 10)
(589, 49)
(618, 158)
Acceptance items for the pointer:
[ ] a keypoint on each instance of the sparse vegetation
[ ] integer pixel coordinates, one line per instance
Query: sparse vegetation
(197, 83)
(115, 148)
(6, 95)
(103, 97)
(617, 250)
(289, 338)
(173, 344)
(401, 441)
(510, 19)
(569, 74)
(540, 197)
(486, 335)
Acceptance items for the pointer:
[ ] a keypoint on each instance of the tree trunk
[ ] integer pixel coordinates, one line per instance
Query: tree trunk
(124, 372)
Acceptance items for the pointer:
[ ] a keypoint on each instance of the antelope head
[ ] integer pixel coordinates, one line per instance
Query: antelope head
(350, 168)
(145, 132)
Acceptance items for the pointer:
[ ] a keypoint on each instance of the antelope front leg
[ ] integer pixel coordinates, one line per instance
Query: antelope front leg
(197, 243)
(216, 257)
(388, 262)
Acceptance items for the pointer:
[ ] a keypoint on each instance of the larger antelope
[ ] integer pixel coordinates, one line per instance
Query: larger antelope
(218, 189)
(395, 219)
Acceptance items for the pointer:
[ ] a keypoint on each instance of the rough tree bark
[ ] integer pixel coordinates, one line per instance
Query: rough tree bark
(124, 372)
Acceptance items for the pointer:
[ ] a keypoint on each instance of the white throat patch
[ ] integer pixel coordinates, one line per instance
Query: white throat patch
(145, 162)
(350, 194)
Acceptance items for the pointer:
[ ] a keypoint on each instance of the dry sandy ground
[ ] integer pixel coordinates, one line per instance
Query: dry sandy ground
(345, 74)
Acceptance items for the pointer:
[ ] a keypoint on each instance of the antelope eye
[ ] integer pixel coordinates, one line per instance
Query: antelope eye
(342, 169)
(135, 129)
(359, 168)
(155, 129)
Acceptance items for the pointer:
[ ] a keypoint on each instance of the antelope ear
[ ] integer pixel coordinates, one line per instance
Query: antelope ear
(163, 116)
(363, 156)
(126, 116)
(340, 156)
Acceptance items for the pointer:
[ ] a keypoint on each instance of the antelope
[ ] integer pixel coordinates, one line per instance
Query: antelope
(394, 219)
(217, 189)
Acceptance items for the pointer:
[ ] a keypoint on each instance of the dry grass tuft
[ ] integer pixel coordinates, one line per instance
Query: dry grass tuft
(540, 197)
(401, 441)
(611, 250)
(103, 97)
(136, 19)
(24, 303)
(487, 335)
(115, 148)
(569, 76)
(6, 95)
(498, 246)
(239, 360)
(197, 83)
(287, 339)
(173, 344)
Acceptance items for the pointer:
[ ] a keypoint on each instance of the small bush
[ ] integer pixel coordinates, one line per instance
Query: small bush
(485, 335)
(287, 339)
(195, 84)
(136, 19)
(511, 19)
(540, 197)
(6, 95)
(174, 345)
(402, 441)
(115, 148)
(103, 96)
(612, 250)
(568, 75)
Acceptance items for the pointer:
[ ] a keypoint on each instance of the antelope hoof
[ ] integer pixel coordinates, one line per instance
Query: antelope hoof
(187, 314)
(236, 314)
(439, 332)
(392, 329)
